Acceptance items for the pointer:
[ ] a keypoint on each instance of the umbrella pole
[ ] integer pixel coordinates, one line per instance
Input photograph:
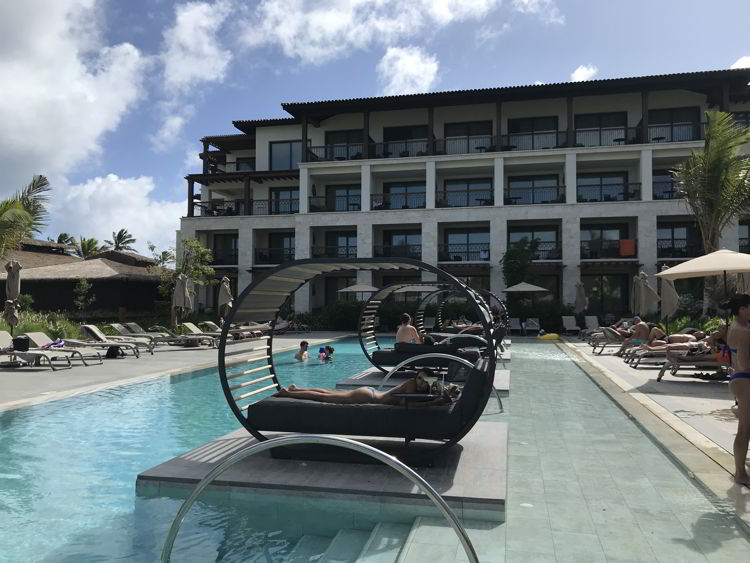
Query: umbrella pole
(726, 295)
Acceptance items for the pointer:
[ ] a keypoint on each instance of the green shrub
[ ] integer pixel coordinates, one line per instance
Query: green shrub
(55, 325)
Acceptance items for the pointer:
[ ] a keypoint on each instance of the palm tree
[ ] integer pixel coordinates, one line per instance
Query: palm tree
(14, 223)
(88, 247)
(34, 197)
(65, 238)
(716, 181)
(121, 240)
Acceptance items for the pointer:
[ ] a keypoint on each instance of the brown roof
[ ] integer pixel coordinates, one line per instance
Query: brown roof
(236, 142)
(249, 125)
(34, 259)
(130, 258)
(93, 269)
(44, 245)
(257, 176)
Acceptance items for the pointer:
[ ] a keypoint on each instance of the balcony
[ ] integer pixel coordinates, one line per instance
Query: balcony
(412, 200)
(342, 151)
(232, 207)
(400, 149)
(676, 132)
(335, 203)
(462, 252)
(666, 190)
(548, 250)
(677, 248)
(399, 251)
(224, 257)
(273, 255)
(608, 249)
(285, 206)
(609, 192)
(464, 198)
(606, 136)
(334, 251)
(465, 145)
(745, 245)
(536, 195)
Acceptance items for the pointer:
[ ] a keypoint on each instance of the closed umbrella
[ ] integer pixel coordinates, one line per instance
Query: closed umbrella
(12, 291)
(10, 314)
(648, 298)
(225, 296)
(670, 300)
(635, 291)
(182, 302)
(581, 300)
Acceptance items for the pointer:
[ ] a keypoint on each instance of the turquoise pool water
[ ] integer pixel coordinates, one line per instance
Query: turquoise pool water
(68, 467)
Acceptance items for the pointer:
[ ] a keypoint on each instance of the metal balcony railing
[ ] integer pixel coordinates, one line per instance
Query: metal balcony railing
(334, 251)
(465, 144)
(286, 206)
(338, 151)
(612, 249)
(533, 196)
(412, 200)
(398, 250)
(745, 245)
(224, 257)
(666, 190)
(606, 136)
(464, 198)
(219, 208)
(548, 250)
(462, 252)
(677, 248)
(676, 132)
(273, 255)
(609, 192)
(335, 203)
(400, 149)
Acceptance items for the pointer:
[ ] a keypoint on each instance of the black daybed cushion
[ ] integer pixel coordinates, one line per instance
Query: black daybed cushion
(388, 357)
(426, 348)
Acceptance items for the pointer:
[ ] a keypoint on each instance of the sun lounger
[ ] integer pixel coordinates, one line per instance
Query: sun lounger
(570, 326)
(610, 338)
(678, 362)
(100, 340)
(532, 323)
(136, 330)
(43, 342)
(211, 328)
(515, 324)
(32, 356)
(592, 325)
(389, 357)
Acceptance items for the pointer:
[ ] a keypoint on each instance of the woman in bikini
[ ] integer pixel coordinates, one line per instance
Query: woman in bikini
(365, 395)
(738, 340)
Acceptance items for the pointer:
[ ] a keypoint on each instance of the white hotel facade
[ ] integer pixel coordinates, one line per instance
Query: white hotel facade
(453, 178)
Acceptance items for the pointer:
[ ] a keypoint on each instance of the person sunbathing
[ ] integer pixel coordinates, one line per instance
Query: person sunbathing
(657, 337)
(638, 335)
(367, 395)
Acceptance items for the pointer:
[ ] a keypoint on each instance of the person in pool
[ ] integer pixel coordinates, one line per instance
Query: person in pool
(738, 341)
(367, 395)
(301, 354)
(325, 353)
(406, 332)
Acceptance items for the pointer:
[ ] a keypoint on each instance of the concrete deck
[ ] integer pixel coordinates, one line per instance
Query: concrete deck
(31, 385)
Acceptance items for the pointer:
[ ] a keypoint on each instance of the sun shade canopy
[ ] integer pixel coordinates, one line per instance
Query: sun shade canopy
(358, 288)
(714, 264)
(522, 287)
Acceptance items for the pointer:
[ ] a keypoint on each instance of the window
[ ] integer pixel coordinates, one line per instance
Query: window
(344, 145)
(403, 195)
(285, 155)
(332, 286)
(742, 118)
(548, 244)
(607, 293)
(408, 140)
(663, 185)
(481, 282)
(677, 240)
(404, 133)
(341, 244)
(402, 243)
(466, 193)
(225, 249)
(606, 241)
(743, 236)
(245, 163)
(284, 201)
(674, 124)
(387, 280)
(465, 244)
(601, 129)
(530, 133)
(550, 282)
(280, 248)
(524, 190)
(468, 137)
(610, 186)
(343, 198)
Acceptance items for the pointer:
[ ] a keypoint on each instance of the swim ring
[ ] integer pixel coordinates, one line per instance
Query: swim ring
(549, 336)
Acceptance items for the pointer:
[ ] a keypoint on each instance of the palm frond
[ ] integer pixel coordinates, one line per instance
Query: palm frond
(34, 198)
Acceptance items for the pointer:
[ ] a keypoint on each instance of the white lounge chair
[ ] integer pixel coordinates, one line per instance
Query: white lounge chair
(43, 342)
(569, 324)
(532, 323)
(515, 324)
(32, 356)
(101, 340)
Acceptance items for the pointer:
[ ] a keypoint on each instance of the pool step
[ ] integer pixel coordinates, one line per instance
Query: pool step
(345, 546)
(308, 548)
(384, 543)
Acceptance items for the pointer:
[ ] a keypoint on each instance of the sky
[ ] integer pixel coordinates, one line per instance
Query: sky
(109, 98)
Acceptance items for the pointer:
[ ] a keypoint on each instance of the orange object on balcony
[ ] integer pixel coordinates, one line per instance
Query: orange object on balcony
(627, 248)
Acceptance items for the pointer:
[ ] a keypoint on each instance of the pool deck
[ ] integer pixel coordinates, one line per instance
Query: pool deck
(25, 386)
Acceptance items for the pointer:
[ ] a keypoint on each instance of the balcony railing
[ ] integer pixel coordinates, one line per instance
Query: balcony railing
(225, 257)
(412, 200)
(532, 196)
(462, 252)
(606, 136)
(399, 250)
(675, 132)
(548, 250)
(273, 255)
(334, 251)
(275, 206)
(464, 198)
(341, 151)
(401, 149)
(602, 249)
(677, 248)
(466, 145)
(335, 203)
(745, 245)
(219, 208)
(666, 190)
(609, 192)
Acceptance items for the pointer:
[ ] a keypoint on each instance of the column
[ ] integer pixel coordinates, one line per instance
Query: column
(245, 255)
(304, 139)
(430, 242)
(366, 186)
(647, 186)
(570, 137)
(498, 180)
(571, 257)
(430, 181)
(191, 194)
(302, 250)
(304, 189)
(730, 238)
(498, 246)
(364, 240)
(571, 192)
(647, 254)
(247, 195)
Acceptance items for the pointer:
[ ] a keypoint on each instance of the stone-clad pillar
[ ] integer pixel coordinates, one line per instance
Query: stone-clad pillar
(647, 186)
(498, 246)
(366, 186)
(430, 184)
(571, 257)
(302, 250)
(647, 254)
(498, 180)
(571, 191)
(245, 256)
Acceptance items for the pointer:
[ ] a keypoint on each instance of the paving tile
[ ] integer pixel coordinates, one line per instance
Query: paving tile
(578, 548)
(421, 552)
(570, 517)
(515, 556)
(529, 534)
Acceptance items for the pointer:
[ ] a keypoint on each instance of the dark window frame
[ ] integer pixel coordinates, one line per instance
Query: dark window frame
(291, 152)
(244, 160)
(599, 115)
(652, 122)
(519, 120)
(468, 125)
(400, 138)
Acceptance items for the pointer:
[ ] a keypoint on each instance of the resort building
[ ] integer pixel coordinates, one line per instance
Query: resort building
(454, 178)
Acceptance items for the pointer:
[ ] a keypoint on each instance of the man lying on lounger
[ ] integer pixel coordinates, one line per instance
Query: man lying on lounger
(369, 395)
(657, 337)
(696, 346)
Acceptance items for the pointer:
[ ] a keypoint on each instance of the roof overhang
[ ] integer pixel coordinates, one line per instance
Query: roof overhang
(253, 176)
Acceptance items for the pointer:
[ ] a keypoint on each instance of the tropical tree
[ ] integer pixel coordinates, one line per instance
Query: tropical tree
(163, 258)
(82, 294)
(65, 238)
(14, 223)
(87, 247)
(121, 240)
(194, 263)
(34, 197)
(715, 182)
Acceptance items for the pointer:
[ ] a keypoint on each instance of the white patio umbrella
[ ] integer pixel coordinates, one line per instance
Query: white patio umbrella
(524, 287)
(12, 291)
(417, 289)
(225, 298)
(182, 301)
(358, 288)
(670, 299)
(582, 301)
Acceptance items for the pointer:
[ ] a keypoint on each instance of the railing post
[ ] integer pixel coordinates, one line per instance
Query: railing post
(191, 198)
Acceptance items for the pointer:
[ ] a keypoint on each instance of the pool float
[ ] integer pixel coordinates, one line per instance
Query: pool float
(549, 336)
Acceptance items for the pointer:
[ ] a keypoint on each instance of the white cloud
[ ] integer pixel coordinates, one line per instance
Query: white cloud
(583, 72)
(538, 83)
(63, 88)
(105, 204)
(488, 33)
(742, 62)
(316, 31)
(406, 70)
(547, 10)
(192, 55)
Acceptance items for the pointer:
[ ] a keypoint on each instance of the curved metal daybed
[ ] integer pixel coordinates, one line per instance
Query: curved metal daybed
(267, 295)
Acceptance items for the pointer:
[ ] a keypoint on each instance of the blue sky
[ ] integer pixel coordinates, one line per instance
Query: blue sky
(110, 97)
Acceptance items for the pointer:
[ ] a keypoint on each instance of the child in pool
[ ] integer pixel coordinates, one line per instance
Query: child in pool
(325, 353)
